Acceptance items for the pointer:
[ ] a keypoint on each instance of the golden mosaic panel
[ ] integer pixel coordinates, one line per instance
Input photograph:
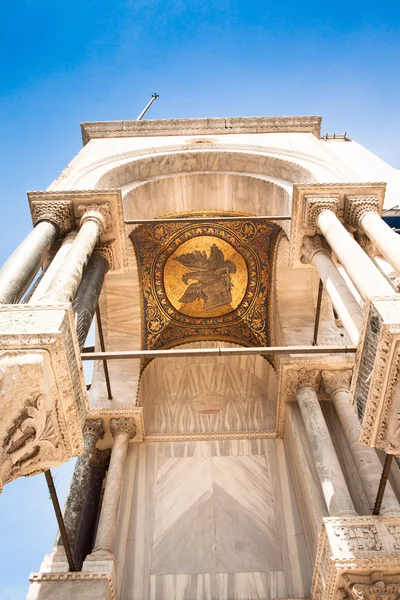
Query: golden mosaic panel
(206, 281)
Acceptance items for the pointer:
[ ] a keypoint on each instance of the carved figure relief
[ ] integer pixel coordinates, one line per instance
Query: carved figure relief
(394, 531)
(357, 539)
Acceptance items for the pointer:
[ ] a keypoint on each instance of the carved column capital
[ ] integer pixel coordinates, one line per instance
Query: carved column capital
(370, 586)
(333, 381)
(365, 243)
(99, 212)
(60, 213)
(356, 206)
(123, 425)
(315, 205)
(107, 251)
(94, 427)
(303, 378)
(312, 245)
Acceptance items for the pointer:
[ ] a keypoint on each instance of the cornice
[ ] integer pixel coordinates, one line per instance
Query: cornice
(215, 126)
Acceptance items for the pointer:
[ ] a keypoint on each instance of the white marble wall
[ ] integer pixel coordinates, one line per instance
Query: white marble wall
(210, 520)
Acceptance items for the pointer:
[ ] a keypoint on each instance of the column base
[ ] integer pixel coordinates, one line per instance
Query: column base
(353, 555)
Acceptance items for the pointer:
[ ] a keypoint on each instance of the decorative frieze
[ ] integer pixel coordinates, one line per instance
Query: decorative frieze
(315, 205)
(334, 381)
(43, 393)
(357, 551)
(312, 245)
(303, 378)
(356, 206)
(60, 213)
(375, 386)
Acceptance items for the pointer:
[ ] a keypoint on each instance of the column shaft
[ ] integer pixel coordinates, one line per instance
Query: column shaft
(53, 267)
(80, 481)
(87, 296)
(341, 297)
(109, 513)
(368, 464)
(68, 277)
(383, 236)
(19, 270)
(360, 268)
(333, 483)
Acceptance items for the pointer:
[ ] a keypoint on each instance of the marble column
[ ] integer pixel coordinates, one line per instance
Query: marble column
(92, 432)
(367, 279)
(87, 296)
(337, 386)
(315, 250)
(334, 487)
(53, 267)
(87, 525)
(66, 281)
(362, 212)
(19, 270)
(123, 429)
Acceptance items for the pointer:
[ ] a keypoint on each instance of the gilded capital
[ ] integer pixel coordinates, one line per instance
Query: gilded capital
(100, 212)
(356, 207)
(94, 427)
(303, 378)
(333, 381)
(315, 205)
(312, 245)
(123, 425)
(59, 212)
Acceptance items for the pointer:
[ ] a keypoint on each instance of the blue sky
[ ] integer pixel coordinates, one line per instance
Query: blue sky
(67, 61)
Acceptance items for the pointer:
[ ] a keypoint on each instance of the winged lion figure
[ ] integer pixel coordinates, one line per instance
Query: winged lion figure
(211, 277)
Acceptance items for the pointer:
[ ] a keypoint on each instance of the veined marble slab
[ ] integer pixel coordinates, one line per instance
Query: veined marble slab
(207, 520)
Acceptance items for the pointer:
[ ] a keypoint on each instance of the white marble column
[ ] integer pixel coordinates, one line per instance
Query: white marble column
(337, 386)
(65, 282)
(362, 212)
(334, 487)
(19, 270)
(320, 213)
(315, 250)
(123, 429)
(53, 267)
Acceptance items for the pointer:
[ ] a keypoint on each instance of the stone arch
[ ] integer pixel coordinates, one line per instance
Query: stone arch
(216, 160)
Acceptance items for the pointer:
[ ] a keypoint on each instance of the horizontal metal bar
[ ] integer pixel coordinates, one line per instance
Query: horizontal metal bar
(207, 219)
(184, 352)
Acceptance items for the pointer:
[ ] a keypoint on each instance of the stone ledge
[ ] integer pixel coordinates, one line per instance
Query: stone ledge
(216, 126)
(350, 548)
(44, 401)
(64, 586)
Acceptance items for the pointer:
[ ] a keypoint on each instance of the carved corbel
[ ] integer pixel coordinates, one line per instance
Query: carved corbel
(356, 206)
(303, 378)
(315, 205)
(313, 245)
(60, 213)
(333, 381)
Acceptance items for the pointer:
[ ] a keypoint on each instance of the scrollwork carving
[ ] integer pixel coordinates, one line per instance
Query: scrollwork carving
(125, 425)
(101, 212)
(303, 378)
(375, 586)
(315, 205)
(334, 381)
(311, 246)
(60, 213)
(358, 539)
(356, 206)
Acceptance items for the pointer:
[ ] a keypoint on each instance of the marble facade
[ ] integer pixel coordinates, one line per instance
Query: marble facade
(219, 477)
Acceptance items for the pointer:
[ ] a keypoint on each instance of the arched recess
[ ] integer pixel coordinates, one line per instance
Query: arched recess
(209, 397)
(204, 161)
